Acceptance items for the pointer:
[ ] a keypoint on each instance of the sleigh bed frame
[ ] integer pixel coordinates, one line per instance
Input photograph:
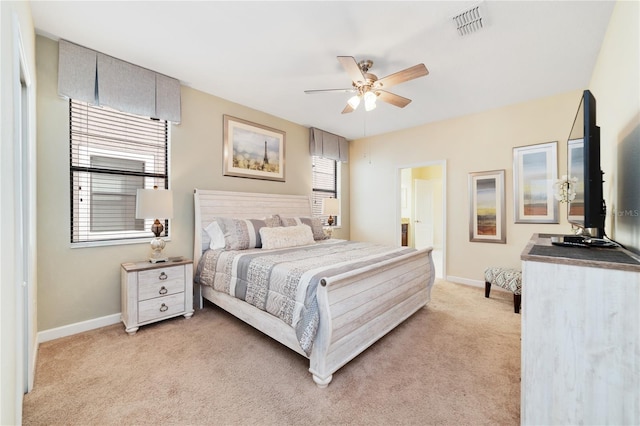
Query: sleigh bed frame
(356, 308)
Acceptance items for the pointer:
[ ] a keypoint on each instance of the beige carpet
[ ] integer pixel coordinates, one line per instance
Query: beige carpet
(456, 362)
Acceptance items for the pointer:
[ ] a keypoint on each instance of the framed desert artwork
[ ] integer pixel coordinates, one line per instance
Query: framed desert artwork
(535, 169)
(487, 221)
(252, 150)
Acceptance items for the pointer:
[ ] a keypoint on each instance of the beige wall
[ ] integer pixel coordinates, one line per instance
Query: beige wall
(615, 83)
(79, 284)
(427, 172)
(473, 143)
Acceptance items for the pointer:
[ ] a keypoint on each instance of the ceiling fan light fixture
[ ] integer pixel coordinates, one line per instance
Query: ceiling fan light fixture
(369, 97)
(369, 101)
(369, 87)
(354, 101)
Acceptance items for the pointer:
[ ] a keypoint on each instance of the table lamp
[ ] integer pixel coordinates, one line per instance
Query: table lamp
(331, 207)
(154, 204)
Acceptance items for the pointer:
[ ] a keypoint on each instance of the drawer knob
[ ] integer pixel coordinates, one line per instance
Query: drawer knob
(162, 276)
(163, 308)
(163, 290)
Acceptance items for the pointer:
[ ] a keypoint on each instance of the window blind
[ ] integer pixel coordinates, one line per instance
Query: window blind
(112, 154)
(324, 183)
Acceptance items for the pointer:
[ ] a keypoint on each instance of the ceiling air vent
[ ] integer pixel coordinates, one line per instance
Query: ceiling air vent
(469, 21)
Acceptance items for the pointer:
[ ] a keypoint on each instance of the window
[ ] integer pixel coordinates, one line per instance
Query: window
(325, 184)
(112, 154)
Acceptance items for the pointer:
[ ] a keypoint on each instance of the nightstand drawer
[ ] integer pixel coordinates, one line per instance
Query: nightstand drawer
(158, 289)
(160, 307)
(161, 275)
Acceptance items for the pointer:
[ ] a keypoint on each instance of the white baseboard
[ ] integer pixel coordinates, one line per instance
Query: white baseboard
(474, 283)
(32, 367)
(79, 327)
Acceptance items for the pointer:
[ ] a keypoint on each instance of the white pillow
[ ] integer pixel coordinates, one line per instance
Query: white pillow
(286, 236)
(215, 235)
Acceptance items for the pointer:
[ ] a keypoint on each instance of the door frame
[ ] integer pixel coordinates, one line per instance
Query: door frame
(25, 217)
(398, 190)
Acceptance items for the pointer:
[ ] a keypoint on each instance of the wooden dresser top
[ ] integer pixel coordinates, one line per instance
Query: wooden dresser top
(540, 249)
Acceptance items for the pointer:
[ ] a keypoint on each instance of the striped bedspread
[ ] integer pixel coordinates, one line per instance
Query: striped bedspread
(283, 282)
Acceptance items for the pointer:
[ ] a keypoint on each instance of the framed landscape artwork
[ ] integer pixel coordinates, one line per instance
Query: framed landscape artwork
(251, 150)
(535, 169)
(487, 221)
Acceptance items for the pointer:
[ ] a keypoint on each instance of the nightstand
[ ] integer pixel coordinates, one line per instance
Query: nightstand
(155, 291)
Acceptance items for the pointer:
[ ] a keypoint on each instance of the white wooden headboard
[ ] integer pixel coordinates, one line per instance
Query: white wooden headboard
(242, 205)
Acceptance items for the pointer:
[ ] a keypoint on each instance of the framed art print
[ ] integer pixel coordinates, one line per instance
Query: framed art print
(251, 150)
(487, 221)
(535, 169)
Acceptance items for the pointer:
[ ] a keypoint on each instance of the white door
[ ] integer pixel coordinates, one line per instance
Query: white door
(423, 213)
(24, 228)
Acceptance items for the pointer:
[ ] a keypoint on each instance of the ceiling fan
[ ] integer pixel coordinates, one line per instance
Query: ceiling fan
(369, 87)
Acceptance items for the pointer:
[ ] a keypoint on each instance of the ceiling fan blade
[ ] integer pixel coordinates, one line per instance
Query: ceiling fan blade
(347, 109)
(351, 67)
(311, 92)
(415, 71)
(393, 99)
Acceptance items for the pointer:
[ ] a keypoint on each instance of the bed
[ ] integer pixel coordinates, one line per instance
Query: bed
(353, 305)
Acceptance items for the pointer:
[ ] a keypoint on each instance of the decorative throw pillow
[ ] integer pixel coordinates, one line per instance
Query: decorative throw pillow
(273, 221)
(289, 236)
(216, 236)
(314, 222)
(242, 234)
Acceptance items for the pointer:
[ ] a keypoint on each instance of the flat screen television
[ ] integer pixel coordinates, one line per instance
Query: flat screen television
(587, 210)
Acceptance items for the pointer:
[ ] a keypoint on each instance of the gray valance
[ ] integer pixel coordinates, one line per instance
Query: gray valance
(327, 145)
(100, 79)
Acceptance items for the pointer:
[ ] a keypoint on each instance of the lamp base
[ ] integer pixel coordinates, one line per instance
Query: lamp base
(157, 244)
(328, 231)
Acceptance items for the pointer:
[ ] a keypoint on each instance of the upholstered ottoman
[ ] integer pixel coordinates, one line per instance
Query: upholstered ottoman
(509, 279)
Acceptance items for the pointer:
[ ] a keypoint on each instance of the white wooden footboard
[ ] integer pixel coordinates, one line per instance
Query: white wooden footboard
(358, 308)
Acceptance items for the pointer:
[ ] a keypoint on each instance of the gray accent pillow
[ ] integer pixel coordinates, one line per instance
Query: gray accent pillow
(242, 234)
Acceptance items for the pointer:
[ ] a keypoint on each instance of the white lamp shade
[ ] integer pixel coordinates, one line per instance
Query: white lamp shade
(154, 204)
(330, 206)
(369, 97)
(369, 101)
(354, 101)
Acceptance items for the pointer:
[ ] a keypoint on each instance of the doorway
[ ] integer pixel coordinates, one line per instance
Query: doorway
(423, 209)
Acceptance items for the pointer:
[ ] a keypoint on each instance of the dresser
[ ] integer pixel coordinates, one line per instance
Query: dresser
(580, 335)
(153, 292)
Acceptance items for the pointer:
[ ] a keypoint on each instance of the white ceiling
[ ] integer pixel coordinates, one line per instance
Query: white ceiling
(264, 54)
